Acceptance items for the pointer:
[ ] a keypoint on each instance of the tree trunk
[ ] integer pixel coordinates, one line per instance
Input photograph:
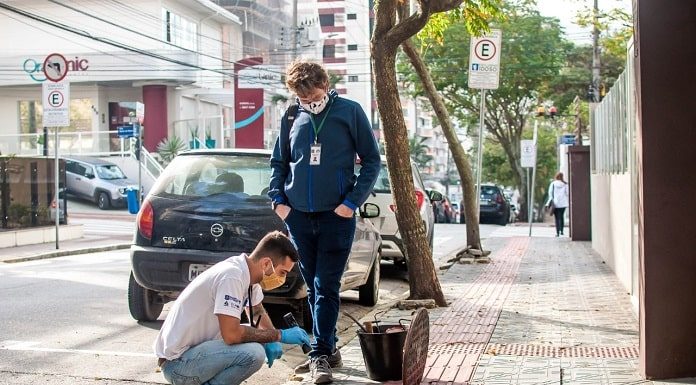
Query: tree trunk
(473, 235)
(423, 282)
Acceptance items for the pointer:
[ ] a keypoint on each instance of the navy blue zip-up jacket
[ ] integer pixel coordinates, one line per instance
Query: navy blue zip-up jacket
(346, 132)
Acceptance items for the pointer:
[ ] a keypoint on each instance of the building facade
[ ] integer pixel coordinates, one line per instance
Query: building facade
(173, 56)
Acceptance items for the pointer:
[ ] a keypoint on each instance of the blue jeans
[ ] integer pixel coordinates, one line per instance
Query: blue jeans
(215, 363)
(323, 240)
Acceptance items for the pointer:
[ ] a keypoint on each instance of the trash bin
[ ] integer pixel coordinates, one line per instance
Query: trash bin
(132, 198)
(383, 352)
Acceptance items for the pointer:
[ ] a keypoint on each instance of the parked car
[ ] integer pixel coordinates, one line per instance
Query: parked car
(393, 247)
(444, 211)
(494, 205)
(210, 204)
(97, 180)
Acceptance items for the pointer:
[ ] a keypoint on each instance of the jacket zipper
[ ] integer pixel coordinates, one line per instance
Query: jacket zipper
(340, 183)
(310, 197)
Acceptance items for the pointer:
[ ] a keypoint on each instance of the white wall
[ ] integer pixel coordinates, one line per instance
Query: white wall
(611, 223)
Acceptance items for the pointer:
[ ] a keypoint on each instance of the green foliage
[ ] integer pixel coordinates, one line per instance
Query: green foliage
(419, 151)
(475, 15)
(495, 164)
(334, 79)
(532, 54)
(170, 147)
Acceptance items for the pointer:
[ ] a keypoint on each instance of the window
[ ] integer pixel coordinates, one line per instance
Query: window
(352, 16)
(179, 30)
(82, 111)
(326, 20)
(352, 47)
(353, 78)
(329, 51)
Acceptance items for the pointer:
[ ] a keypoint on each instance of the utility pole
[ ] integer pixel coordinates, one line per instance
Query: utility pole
(294, 30)
(596, 79)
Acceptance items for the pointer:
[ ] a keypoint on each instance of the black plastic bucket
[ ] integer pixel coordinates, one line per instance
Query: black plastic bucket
(383, 352)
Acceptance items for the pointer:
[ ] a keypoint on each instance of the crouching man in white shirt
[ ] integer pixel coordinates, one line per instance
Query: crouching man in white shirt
(202, 340)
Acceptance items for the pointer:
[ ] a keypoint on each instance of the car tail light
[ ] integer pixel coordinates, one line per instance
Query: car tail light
(499, 199)
(146, 220)
(420, 198)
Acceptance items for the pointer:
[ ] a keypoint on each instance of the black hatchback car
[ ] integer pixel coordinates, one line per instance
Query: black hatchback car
(210, 204)
(494, 205)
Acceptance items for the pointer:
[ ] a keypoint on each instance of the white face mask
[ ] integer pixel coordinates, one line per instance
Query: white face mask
(318, 106)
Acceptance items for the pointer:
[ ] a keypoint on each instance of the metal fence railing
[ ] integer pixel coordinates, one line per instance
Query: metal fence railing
(99, 143)
(613, 125)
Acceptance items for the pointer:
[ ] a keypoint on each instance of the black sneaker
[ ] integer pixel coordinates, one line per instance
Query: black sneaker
(320, 370)
(334, 360)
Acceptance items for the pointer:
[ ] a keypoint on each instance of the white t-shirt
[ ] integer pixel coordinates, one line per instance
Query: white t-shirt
(222, 289)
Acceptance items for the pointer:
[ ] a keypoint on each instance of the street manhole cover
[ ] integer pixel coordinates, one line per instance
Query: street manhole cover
(416, 348)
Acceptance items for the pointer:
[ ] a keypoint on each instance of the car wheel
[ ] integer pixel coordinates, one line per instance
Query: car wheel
(503, 220)
(369, 292)
(103, 201)
(142, 302)
(461, 219)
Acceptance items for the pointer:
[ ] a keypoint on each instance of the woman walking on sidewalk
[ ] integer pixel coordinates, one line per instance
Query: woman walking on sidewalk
(558, 200)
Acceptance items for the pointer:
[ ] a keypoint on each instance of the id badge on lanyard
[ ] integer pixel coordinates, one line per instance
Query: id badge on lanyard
(315, 154)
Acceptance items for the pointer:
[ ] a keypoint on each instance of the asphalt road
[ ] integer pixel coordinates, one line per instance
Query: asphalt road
(66, 320)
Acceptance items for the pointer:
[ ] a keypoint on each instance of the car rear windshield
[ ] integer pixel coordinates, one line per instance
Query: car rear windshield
(382, 184)
(489, 190)
(197, 176)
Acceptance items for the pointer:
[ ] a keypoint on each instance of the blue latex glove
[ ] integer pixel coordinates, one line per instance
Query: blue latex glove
(273, 351)
(294, 336)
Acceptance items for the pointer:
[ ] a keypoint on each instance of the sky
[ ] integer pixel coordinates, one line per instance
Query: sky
(565, 10)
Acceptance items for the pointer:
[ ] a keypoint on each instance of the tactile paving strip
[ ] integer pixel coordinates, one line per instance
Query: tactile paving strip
(630, 352)
(416, 348)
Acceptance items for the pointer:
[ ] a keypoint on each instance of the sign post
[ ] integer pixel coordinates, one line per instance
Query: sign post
(528, 161)
(56, 113)
(484, 73)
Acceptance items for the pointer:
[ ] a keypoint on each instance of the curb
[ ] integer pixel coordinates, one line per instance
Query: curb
(63, 253)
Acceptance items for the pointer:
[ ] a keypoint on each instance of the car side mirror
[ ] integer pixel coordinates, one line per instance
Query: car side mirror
(89, 176)
(435, 196)
(369, 210)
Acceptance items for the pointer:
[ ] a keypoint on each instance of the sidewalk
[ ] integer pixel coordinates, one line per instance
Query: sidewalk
(86, 244)
(545, 311)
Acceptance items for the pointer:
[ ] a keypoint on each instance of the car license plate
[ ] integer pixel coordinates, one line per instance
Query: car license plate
(196, 269)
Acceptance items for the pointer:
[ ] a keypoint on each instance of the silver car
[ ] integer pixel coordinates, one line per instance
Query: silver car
(393, 247)
(97, 180)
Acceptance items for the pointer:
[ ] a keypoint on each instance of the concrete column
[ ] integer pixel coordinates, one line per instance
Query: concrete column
(155, 100)
(666, 136)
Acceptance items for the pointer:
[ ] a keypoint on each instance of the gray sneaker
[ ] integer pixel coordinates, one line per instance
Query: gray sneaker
(320, 370)
(334, 360)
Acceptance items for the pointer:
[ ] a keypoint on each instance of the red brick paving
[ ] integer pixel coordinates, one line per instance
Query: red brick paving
(459, 336)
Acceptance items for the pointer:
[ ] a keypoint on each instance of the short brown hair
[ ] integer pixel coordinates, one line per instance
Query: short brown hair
(277, 246)
(302, 77)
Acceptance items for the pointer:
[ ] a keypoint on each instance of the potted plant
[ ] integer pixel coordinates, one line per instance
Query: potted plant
(169, 148)
(194, 142)
(209, 141)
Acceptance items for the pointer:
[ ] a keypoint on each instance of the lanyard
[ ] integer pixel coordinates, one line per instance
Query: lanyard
(251, 312)
(321, 124)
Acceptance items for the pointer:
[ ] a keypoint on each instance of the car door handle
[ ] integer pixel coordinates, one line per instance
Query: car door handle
(78, 179)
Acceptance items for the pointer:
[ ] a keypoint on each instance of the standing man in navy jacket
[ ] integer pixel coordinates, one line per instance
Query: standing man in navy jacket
(315, 191)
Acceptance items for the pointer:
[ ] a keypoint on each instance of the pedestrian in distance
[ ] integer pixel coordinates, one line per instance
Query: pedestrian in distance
(558, 201)
(202, 340)
(314, 189)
